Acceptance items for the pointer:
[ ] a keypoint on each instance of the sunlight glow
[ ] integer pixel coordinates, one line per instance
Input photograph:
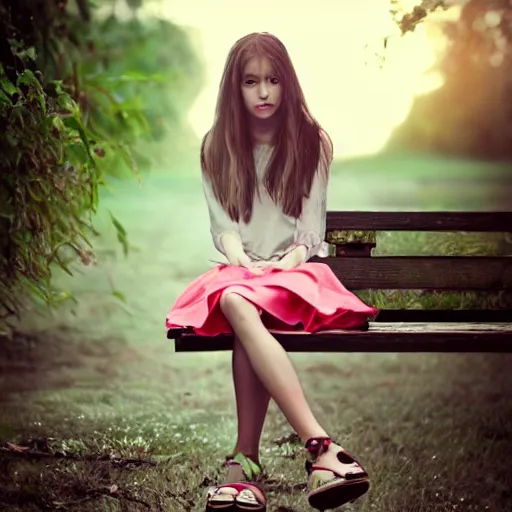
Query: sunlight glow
(336, 48)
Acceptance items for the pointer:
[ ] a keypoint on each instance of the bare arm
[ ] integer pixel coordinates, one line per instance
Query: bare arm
(224, 231)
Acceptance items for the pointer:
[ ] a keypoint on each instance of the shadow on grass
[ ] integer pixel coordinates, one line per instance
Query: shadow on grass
(56, 359)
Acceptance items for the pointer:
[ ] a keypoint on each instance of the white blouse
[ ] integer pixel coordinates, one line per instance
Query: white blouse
(270, 234)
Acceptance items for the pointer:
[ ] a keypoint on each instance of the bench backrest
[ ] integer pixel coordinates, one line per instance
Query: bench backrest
(353, 234)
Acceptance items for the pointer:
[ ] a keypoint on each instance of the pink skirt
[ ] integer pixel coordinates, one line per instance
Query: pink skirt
(308, 298)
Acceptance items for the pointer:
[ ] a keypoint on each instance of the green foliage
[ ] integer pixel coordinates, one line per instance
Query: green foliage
(345, 237)
(50, 160)
(74, 109)
(49, 184)
(251, 469)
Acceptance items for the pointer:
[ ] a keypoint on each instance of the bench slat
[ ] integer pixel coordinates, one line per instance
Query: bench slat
(381, 337)
(430, 316)
(445, 315)
(423, 272)
(419, 221)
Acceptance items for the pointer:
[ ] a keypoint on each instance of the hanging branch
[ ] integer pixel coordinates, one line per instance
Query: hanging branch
(410, 20)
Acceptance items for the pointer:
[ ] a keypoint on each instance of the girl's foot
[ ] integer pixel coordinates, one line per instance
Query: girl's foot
(334, 476)
(240, 492)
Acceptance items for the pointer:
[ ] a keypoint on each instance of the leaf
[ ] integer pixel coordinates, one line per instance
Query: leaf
(126, 155)
(23, 52)
(41, 99)
(7, 86)
(29, 53)
(121, 233)
(58, 297)
(75, 123)
(77, 152)
(119, 295)
(65, 102)
(35, 289)
(28, 78)
(250, 468)
(4, 99)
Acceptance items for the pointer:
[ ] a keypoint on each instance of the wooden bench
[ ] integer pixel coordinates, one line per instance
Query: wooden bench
(403, 330)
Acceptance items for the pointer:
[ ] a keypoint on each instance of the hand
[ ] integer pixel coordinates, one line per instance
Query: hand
(294, 258)
(258, 267)
(246, 262)
(262, 264)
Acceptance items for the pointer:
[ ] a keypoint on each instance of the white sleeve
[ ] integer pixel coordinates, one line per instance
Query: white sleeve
(220, 222)
(310, 227)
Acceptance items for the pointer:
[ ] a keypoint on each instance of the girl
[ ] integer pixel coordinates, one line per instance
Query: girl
(265, 166)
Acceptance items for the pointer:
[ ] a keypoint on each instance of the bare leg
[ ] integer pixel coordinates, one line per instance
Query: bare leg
(274, 369)
(252, 399)
(271, 364)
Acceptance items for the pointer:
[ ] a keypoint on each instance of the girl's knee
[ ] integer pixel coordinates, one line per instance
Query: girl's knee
(230, 301)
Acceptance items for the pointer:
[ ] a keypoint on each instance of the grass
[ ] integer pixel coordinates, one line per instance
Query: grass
(114, 420)
(433, 430)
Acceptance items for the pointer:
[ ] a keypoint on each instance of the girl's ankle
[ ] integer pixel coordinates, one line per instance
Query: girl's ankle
(318, 446)
(313, 434)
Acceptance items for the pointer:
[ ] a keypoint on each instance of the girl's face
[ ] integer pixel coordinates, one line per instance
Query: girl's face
(261, 90)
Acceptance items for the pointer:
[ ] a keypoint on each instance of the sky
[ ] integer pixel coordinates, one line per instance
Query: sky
(334, 47)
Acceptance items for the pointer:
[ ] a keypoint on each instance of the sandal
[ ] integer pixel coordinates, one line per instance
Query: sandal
(328, 488)
(243, 495)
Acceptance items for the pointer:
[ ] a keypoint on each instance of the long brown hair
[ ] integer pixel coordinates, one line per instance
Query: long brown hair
(298, 147)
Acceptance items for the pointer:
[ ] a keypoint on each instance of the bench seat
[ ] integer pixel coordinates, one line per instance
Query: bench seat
(380, 337)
